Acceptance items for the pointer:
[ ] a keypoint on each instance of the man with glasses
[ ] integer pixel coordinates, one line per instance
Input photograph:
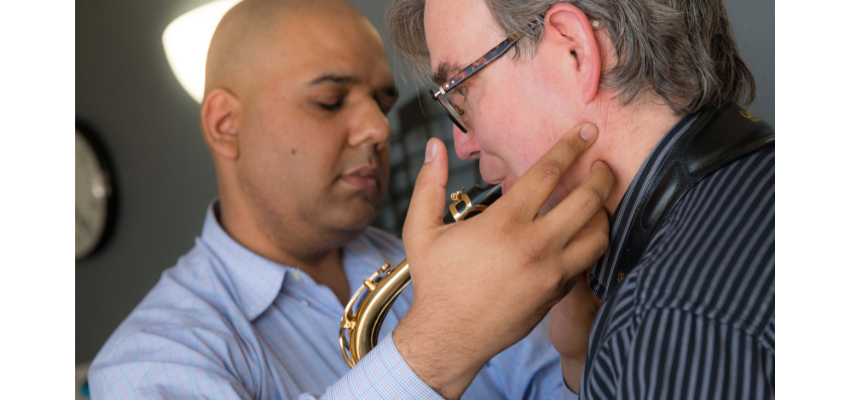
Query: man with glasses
(294, 115)
(688, 278)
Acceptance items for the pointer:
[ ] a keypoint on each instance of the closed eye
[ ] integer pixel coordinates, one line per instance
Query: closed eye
(331, 107)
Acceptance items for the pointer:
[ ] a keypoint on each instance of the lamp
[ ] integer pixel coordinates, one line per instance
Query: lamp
(186, 41)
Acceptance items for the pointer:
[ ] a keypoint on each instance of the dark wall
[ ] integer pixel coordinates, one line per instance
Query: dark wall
(125, 90)
(149, 125)
(754, 22)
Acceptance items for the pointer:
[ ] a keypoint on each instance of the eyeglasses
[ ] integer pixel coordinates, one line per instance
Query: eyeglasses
(442, 99)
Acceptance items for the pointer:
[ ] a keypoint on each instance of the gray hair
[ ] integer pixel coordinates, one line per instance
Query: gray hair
(682, 50)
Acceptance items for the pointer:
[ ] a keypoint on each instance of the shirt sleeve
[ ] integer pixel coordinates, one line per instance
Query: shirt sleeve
(139, 380)
(157, 363)
(382, 374)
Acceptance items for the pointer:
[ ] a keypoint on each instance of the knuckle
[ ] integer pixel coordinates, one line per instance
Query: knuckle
(535, 254)
(551, 170)
(535, 249)
(575, 146)
(502, 231)
(424, 178)
(590, 200)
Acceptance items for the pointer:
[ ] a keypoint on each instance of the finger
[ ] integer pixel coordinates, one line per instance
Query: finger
(429, 193)
(582, 204)
(588, 245)
(536, 185)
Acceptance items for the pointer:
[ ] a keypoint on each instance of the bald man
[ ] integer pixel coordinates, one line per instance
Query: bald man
(295, 119)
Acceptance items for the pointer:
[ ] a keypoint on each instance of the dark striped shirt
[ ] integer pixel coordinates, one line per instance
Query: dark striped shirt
(695, 318)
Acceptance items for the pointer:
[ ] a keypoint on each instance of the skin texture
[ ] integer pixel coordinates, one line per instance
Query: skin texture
(518, 112)
(508, 266)
(295, 119)
(518, 109)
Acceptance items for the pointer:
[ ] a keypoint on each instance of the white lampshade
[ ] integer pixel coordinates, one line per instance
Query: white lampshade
(186, 41)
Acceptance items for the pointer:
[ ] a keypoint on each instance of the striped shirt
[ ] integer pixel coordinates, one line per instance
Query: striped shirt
(694, 319)
(225, 323)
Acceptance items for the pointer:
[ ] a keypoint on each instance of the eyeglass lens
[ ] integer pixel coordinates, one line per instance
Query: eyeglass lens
(451, 111)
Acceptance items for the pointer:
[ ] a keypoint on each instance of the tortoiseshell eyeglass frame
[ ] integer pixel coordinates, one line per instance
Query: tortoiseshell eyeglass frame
(439, 95)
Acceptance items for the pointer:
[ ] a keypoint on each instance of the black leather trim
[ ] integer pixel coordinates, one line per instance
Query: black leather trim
(716, 139)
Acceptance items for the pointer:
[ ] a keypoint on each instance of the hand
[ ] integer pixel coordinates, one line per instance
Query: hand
(570, 322)
(482, 284)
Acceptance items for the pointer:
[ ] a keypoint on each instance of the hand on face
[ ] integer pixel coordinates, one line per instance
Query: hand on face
(483, 284)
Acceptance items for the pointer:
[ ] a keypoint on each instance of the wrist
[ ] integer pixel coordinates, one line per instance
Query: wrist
(444, 365)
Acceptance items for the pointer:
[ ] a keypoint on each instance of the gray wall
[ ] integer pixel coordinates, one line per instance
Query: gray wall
(126, 91)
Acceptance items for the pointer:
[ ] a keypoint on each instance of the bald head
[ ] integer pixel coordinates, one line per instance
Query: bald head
(255, 32)
(294, 115)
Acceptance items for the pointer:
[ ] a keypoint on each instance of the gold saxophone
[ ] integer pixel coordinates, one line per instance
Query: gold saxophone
(363, 327)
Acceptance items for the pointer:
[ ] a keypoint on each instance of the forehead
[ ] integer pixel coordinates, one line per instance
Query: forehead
(310, 45)
(459, 31)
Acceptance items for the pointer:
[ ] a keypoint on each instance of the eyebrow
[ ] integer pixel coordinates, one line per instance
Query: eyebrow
(445, 71)
(388, 89)
(336, 78)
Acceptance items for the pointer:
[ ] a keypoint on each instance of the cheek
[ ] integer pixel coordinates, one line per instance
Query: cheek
(513, 123)
(293, 161)
(510, 135)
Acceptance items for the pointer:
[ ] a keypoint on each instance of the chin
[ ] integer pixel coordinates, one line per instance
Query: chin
(355, 217)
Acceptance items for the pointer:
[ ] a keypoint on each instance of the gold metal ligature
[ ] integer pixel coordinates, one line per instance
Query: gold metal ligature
(363, 327)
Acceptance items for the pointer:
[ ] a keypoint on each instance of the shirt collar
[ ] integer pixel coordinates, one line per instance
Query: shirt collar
(255, 280)
(604, 272)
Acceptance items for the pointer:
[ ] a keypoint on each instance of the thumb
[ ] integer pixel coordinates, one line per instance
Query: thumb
(429, 193)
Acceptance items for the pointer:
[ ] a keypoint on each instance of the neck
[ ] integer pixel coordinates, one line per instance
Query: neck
(629, 134)
(248, 231)
(306, 249)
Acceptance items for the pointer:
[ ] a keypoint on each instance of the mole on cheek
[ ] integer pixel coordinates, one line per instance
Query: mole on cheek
(294, 151)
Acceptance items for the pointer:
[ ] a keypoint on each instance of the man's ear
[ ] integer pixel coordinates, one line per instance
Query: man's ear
(221, 117)
(573, 32)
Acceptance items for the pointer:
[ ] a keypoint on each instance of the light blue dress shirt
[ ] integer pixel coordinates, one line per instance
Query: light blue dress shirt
(225, 323)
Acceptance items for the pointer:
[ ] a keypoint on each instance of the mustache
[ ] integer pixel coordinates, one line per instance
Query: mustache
(370, 163)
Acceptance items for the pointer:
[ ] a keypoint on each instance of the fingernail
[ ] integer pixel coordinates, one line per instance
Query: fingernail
(430, 151)
(588, 132)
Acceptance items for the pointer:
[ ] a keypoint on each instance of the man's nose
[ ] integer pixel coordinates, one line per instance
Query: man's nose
(466, 145)
(370, 125)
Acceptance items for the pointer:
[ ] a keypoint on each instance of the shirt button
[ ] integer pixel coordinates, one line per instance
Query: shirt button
(296, 276)
(304, 302)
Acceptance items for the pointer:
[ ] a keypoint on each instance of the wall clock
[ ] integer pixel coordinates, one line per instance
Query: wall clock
(95, 192)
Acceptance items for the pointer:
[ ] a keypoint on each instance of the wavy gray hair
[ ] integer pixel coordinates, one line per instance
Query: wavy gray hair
(683, 50)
